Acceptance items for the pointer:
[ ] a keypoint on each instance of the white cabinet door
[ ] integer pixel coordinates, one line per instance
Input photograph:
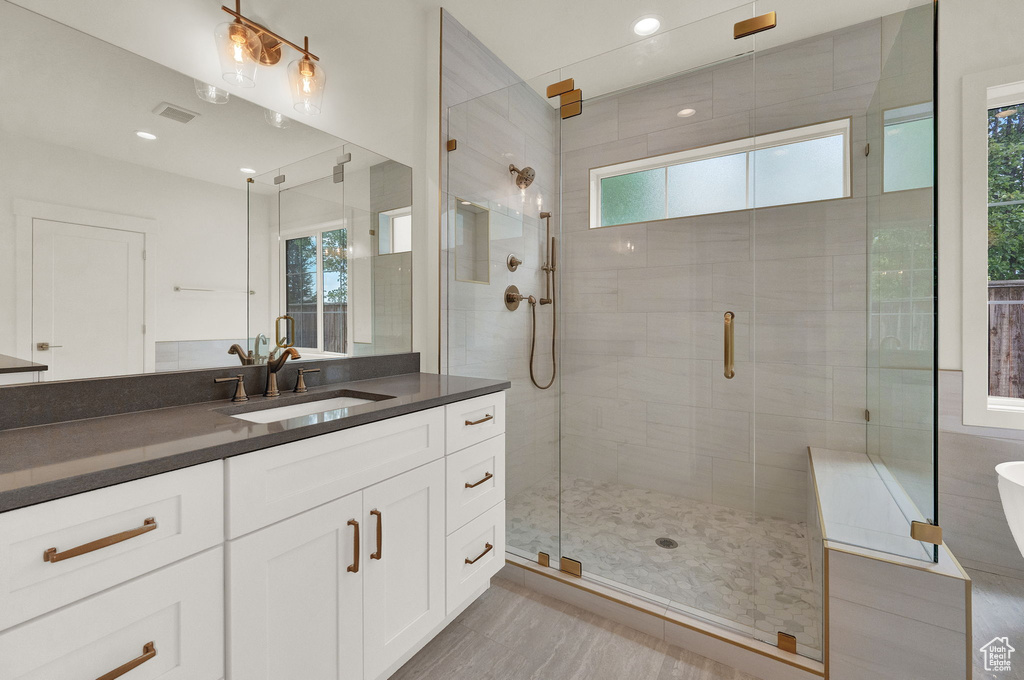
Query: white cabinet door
(403, 589)
(295, 607)
(168, 625)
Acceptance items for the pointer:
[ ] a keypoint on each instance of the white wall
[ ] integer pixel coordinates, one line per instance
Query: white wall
(201, 232)
(974, 36)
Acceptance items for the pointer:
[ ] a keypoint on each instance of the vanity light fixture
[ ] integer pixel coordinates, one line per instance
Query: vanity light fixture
(244, 44)
(646, 25)
(686, 113)
(278, 120)
(145, 135)
(209, 93)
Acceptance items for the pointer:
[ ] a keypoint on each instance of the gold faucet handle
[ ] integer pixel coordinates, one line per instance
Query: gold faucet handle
(240, 394)
(300, 384)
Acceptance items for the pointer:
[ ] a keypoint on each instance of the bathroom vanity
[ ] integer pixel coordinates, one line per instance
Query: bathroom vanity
(331, 545)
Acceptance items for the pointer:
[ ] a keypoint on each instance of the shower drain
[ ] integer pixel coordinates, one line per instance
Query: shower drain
(666, 543)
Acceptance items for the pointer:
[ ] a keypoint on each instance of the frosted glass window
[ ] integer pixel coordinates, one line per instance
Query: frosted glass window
(797, 173)
(712, 185)
(909, 155)
(635, 197)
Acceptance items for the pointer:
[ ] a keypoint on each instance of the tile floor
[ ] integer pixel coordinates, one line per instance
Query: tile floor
(512, 633)
(998, 610)
(729, 564)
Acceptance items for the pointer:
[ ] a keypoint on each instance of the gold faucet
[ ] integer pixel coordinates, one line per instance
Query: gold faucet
(273, 366)
(246, 358)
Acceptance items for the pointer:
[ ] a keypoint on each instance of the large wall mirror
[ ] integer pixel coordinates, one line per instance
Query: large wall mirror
(132, 239)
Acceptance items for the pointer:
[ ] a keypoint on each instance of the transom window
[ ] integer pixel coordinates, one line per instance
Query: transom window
(806, 164)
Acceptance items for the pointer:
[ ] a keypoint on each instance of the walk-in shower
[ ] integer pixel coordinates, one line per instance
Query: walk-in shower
(745, 270)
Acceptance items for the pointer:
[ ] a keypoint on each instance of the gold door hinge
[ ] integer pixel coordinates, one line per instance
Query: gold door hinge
(787, 642)
(571, 566)
(543, 559)
(756, 25)
(571, 102)
(926, 533)
(561, 87)
(453, 144)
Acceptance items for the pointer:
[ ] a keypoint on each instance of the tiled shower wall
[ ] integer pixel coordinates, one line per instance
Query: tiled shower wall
(645, 401)
(497, 120)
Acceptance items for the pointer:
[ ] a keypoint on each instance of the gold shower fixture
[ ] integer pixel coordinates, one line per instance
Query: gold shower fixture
(244, 44)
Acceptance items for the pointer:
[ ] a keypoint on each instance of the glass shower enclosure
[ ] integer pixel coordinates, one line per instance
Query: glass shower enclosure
(743, 257)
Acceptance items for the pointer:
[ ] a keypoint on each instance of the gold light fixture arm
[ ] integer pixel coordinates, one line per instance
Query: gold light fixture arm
(260, 28)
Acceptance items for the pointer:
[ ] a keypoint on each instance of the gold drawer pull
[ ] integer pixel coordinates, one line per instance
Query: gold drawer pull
(380, 535)
(51, 554)
(354, 567)
(486, 477)
(487, 549)
(148, 652)
(482, 420)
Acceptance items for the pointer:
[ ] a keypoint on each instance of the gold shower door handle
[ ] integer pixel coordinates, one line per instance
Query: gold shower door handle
(148, 652)
(380, 535)
(51, 554)
(730, 370)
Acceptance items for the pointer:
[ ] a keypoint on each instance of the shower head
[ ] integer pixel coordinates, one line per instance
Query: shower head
(524, 177)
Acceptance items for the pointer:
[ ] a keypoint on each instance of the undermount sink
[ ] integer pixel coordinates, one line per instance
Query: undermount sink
(329, 407)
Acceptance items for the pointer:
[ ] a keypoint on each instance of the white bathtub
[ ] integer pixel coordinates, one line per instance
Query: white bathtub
(1011, 491)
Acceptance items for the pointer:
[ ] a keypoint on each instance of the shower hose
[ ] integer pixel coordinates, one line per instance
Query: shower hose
(533, 342)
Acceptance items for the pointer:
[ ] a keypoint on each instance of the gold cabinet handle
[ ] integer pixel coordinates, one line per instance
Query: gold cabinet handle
(354, 567)
(51, 554)
(482, 420)
(486, 477)
(148, 652)
(487, 549)
(380, 535)
(730, 370)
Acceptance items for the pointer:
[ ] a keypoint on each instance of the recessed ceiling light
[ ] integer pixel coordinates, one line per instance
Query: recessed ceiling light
(646, 25)
(686, 113)
(248, 171)
(466, 203)
(145, 135)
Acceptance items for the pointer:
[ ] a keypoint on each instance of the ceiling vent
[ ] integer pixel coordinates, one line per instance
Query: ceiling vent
(175, 113)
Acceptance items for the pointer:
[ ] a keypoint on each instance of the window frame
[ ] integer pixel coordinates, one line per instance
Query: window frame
(306, 232)
(746, 145)
(930, 114)
(981, 92)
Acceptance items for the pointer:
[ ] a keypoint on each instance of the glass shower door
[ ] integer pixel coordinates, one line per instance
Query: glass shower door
(655, 272)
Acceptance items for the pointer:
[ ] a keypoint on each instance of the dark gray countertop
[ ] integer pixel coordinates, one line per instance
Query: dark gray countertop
(46, 462)
(9, 364)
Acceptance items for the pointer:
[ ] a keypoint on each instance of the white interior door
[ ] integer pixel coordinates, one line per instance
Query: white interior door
(88, 300)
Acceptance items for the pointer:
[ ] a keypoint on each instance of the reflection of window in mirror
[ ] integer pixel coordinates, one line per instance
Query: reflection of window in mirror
(908, 149)
(316, 289)
(394, 233)
(472, 243)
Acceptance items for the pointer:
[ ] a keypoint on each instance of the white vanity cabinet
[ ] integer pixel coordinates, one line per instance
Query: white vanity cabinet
(335, 557)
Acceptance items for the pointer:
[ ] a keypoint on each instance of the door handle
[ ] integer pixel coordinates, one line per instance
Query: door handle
(380, 535)
(148, 652)
(730, 370)
(354, 567)
(51, 554)
(43, 346)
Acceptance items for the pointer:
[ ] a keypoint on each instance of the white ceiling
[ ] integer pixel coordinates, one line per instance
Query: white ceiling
(381, 77)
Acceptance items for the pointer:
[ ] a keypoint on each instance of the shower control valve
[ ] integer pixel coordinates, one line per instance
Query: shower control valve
(513, 262)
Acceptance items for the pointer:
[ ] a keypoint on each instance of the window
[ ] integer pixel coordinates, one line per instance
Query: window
(908, 148)
(796, 166)
(394, 231)
(993, 248)
(316, 263)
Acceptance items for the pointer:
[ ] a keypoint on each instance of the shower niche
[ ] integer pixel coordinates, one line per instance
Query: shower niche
(472, 243)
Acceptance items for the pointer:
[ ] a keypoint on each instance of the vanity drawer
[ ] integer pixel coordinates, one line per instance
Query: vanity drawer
(475, 480)
(185, 506)
(179, 609)
(470, 544)
(474, 420)
(269, 485)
